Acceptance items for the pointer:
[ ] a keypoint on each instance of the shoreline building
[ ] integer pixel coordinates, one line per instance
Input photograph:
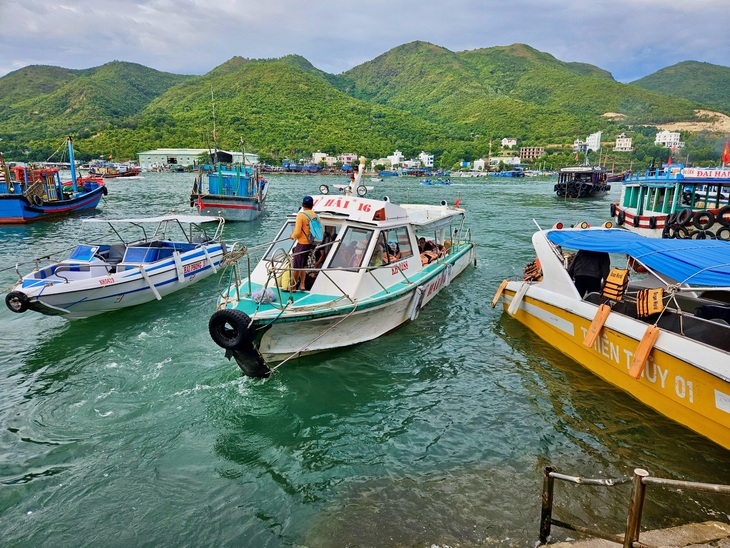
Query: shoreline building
(669, 139)
(174, 158)
(623, 143)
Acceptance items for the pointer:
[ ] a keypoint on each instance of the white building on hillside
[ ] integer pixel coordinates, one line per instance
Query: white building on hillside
(509, 142)
(623, 144)
(593, 141)
(668, 139)
(396, 158)
(426, 159)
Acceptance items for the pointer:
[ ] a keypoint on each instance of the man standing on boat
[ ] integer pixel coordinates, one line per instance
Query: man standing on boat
(589, 270)
(303, 248)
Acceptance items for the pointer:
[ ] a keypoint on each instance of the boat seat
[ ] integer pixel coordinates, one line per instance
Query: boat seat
(116, 253)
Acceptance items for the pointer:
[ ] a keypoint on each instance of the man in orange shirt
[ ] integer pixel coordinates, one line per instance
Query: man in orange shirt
(303, 248)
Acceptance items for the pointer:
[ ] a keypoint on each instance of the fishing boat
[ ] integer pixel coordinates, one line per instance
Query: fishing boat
(584, 181)
(29, 193)
(235, 192)
(113, 170)
(675, 201)
(371, 280)
(662, 336)
(148, 259)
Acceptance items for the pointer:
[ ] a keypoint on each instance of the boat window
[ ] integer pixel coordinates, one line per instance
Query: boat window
(397, 243)
(285, 245)
(351, 251)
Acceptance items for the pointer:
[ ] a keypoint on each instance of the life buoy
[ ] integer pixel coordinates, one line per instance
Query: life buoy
(685, 216)
(37, 200)
(613, 210)
(17, 301)
(720, 217)
(652, 222)
(621, 217)
(104, 190)
(229, 328)
(723, 233)
(703, 220)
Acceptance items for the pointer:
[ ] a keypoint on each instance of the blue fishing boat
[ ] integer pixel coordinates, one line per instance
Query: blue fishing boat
(29, 193)
(234, 192)
(675, 201)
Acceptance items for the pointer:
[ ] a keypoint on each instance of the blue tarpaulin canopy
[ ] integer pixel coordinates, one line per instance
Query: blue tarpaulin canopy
(695, 262)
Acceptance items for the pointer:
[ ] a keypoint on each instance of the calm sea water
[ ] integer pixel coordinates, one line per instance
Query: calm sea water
(132, 429)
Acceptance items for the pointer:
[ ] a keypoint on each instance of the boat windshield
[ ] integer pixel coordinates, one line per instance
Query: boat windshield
(351, 251)
(285, 245)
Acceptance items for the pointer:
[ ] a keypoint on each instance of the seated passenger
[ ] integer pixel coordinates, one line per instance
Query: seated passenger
(392, 253)
(377, 258)
(421, 244)
(430, 254)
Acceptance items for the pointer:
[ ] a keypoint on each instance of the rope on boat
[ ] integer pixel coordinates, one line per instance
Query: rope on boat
(330, 328)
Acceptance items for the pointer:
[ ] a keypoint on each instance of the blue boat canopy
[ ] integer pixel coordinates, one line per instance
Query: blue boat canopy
(694, 262)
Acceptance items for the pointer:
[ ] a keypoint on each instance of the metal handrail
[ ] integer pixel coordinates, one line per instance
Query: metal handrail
(639, 481)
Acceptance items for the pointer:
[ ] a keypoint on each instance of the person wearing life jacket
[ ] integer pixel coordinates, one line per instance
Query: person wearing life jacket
(392, 253)
(303, 248)
(429, 254)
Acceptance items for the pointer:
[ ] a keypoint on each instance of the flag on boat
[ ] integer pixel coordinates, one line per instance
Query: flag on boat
(458, 201)
(726, 154)
(669, 161)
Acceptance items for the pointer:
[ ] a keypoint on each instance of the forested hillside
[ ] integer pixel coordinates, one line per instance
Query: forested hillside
(415, 97)
(700, 82)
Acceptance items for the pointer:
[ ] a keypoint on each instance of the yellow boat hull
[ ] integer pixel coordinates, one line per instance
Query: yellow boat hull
(670, 384)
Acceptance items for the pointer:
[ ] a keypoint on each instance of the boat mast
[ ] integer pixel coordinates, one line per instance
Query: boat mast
(215, 140)
(72, 162)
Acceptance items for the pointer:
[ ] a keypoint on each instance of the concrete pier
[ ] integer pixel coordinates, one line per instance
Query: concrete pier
(713, 534)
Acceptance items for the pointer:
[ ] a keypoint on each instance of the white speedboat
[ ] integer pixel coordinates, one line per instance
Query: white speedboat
(372, 280)
(150, 258)
(665, 340)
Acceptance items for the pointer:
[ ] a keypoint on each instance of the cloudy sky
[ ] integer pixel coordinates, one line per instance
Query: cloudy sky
(629, 38)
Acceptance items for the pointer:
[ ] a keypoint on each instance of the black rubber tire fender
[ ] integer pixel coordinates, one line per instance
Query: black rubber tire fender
(229, 328)
(680, 232)
(637, 221)
(17, 301)
(613, 210)
(652, 222)
(685, 216)
(703, 220)
(723, 233)
(37, 201)
(720, 216)
(104, 190)
(621, 218)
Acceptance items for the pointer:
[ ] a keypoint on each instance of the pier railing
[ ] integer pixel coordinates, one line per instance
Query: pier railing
(641, 479)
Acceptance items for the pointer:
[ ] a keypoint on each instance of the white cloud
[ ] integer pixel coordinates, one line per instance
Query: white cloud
(630, 38)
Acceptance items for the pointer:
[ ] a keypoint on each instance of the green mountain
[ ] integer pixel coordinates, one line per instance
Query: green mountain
(46, 102)
(513, 90)
(415, 97)
(278, 108)
(700, 82)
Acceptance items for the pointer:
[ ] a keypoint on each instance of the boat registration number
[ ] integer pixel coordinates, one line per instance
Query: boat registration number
(192, 267)
(106, 281)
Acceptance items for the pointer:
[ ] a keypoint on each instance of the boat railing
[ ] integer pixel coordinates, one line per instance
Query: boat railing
(639, 482)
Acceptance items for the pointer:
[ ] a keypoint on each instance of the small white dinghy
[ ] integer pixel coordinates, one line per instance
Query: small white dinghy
(163, 255)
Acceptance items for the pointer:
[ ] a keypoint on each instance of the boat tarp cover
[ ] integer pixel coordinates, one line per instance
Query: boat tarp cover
(694, 262)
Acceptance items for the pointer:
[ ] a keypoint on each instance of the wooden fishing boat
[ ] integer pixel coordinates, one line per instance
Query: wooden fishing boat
(371, 280)
(584, 181)
(168, 253)
(29, 193)
(664, 338)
